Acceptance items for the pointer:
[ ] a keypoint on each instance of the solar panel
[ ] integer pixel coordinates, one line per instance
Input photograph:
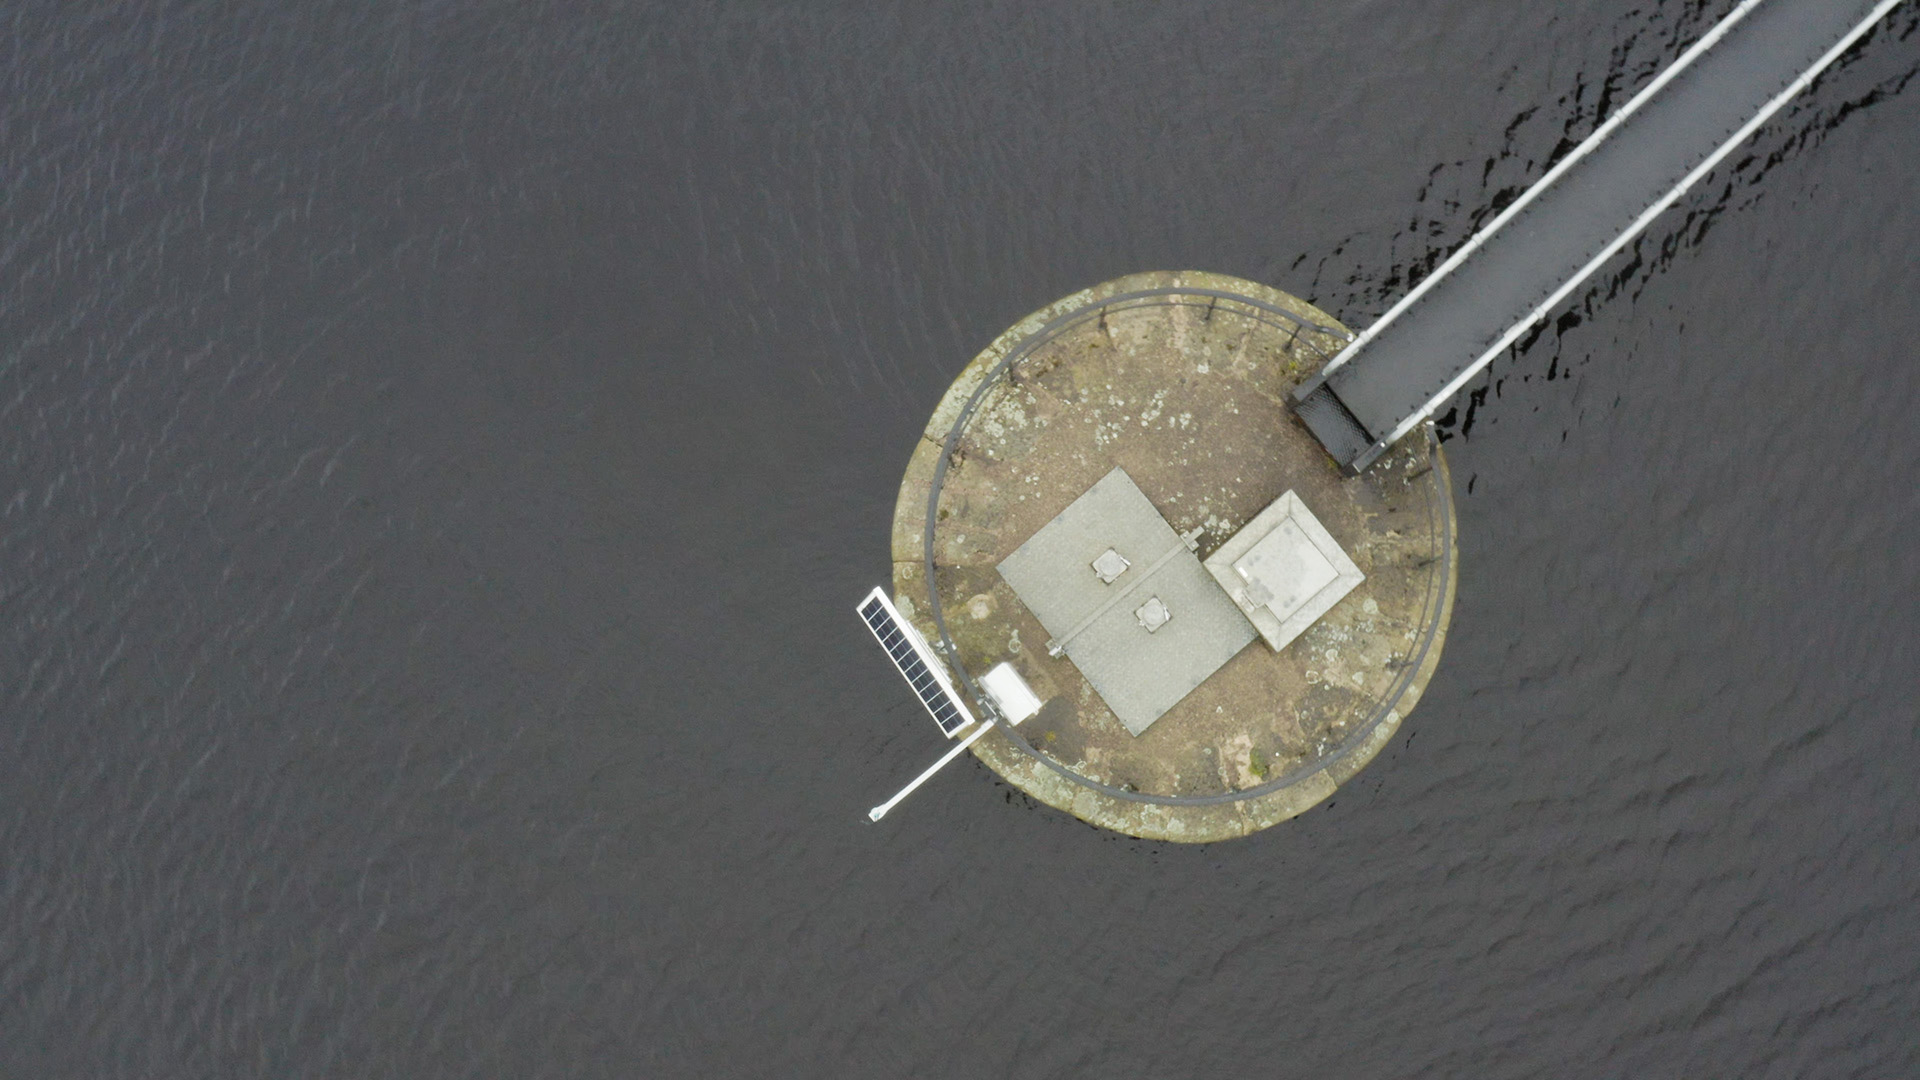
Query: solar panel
(916, 662)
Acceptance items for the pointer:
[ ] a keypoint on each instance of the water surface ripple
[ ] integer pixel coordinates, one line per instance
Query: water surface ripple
(443, 444)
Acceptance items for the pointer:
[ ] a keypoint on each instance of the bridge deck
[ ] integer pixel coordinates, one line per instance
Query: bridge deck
(1406, 368)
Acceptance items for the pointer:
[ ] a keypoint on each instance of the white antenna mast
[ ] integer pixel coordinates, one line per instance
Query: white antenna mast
(880, 811)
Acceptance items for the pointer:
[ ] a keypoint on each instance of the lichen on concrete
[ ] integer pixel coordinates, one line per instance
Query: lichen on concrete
(1187, 391)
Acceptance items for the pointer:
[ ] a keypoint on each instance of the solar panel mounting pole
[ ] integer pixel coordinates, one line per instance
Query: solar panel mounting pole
(880, 811)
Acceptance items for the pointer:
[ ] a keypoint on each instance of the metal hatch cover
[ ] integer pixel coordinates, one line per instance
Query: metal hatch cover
(1060, 574)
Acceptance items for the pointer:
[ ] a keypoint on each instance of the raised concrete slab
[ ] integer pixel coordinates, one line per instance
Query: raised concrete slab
(1145, 627)
(1284, 570)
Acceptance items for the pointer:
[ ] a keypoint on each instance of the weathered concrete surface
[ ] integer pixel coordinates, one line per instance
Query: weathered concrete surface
(1188, 393)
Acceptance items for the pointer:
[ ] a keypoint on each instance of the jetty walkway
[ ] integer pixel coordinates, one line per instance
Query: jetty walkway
(1589, 206)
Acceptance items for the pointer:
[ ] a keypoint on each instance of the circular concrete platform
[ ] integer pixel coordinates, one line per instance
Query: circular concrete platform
(1182, 380)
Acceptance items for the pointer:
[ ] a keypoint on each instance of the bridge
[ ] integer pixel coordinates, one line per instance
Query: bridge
(1589, 206)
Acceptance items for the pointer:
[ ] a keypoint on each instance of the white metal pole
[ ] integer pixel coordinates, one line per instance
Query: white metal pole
(880, 811)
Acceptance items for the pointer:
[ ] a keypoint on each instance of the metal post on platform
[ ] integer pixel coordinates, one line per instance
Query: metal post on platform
(880, 811)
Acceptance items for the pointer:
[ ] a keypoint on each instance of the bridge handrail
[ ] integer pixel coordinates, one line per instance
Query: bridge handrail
(1587, 146)
(1640, 223)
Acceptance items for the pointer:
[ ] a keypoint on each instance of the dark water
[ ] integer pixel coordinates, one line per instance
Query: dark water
(443, 442)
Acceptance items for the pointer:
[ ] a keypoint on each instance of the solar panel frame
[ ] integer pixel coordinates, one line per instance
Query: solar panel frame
(915, 662)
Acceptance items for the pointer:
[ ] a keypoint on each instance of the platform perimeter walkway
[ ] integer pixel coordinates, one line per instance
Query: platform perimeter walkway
(1406, 367)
